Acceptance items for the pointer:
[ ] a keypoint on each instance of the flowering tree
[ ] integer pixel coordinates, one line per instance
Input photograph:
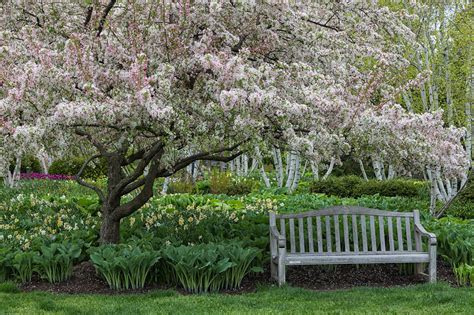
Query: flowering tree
(157, 85)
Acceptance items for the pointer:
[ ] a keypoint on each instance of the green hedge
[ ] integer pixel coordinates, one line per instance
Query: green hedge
(354, 186)
(72, 166)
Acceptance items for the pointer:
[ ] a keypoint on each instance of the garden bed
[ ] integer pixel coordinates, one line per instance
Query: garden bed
(84, 279)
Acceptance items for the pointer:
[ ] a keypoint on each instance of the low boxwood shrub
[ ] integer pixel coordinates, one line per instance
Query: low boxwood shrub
(353, 187)
(210, 267)
(71, 166)
(124, 266)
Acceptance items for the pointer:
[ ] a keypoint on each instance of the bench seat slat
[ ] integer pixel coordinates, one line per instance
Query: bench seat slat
(390, 234)
(307, 259)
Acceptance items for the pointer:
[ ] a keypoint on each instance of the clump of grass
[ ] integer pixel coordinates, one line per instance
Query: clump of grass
(9, 287)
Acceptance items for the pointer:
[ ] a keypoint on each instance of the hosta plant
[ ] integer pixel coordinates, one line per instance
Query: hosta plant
(464, 274)
(124, 266)
(55, 261)
(23, 265)
(210, 267)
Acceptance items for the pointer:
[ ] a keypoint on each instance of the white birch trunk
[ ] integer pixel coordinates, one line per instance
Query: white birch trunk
(13, 176)
(330, 168)
(362, 169)
(391, 172)
(377, 169)
(292, 160)
(314, 170)
(297, 174)
(164, 189)
(259, 160)
(277, 161)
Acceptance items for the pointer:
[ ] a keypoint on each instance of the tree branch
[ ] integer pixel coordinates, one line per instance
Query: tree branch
(103, 19)
(81, 182)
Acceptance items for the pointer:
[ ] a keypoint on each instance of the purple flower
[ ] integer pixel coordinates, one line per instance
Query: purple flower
(45, 176)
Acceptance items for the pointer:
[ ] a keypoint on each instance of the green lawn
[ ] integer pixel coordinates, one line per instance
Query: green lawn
(426, 299)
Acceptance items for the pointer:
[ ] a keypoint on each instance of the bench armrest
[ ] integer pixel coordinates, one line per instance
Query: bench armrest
(281, 239)
(420, 229)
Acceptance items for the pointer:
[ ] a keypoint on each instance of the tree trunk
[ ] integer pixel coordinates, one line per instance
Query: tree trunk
(109, 231)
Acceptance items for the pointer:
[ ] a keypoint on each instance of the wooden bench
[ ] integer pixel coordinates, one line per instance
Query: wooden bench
(349, 235)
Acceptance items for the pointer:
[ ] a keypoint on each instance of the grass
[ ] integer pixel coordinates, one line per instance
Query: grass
(425, 299)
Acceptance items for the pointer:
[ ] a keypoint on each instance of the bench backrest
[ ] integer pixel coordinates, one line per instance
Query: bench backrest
(347, 229)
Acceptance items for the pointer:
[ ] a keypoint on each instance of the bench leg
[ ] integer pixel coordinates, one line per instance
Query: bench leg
(432, 267)
(282, 267)
(274, 269)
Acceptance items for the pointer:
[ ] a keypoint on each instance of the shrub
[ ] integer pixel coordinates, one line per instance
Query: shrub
(72, 166)
(55, 261)
(388, 188)
(337, 186)
(210, 267)
(224, 183)
(220, 182)
(181, 187)
(124, 266)
(353, 186)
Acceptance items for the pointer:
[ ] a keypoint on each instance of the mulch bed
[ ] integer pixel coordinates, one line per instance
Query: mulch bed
(85, 280)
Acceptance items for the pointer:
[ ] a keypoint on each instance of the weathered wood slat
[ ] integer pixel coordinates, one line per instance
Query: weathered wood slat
(309, 223)
(390, 234)
(320, 234)
(301, 234)
(283, 227)
(408, 232)
(373, 238)
(355, 233)
(382, 233)
(365, 246)
(336, 233)
(355, 259)
(347, 246)
(292, 236)
(349, 210)
(399, 234)
(328, 234)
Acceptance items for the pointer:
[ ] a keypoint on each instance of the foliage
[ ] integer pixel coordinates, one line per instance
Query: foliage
(464, 274)
(354, 186)
(210, 267)
(71, 166)
(23, 265)
(455, 239)
(56, 260)
(123, 266)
